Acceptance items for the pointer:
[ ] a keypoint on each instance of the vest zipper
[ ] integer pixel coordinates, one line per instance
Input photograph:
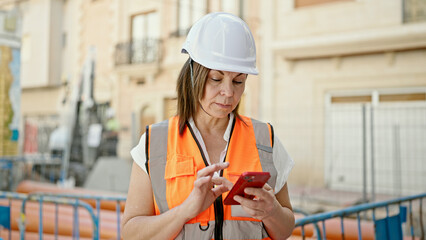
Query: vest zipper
(218, 204)
(218, 218)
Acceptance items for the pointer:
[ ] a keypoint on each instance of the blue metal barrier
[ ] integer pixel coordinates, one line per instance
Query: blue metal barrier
(363, 208)
(10, 196)
(405, 204)
(304, 213)
(75, 203)
(97, 199)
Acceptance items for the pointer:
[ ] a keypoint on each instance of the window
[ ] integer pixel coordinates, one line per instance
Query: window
(304, 3)
(145, 26)
(145, 35)
(403, 97)
(414, 11)
(189, 11)
(384, 129)
(351, 99)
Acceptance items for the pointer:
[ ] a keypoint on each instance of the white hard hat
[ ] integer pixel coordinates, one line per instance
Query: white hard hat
(222, 41)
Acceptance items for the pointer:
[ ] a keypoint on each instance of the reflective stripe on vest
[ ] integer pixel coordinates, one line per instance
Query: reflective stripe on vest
(192, 231)
(157, 162)
(263, 144)
(173, 168)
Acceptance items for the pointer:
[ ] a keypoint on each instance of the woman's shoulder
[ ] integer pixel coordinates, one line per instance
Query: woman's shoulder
(250, 120)
(165, 122)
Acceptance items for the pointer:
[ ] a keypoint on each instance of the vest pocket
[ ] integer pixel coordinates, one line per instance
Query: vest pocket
(180, 174)
(180, 165)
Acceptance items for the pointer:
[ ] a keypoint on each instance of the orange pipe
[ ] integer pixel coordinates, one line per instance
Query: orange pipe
(333, 229)
(33, 236)
(296, 237)
(106, 215)
(32, 186)
(108, 222)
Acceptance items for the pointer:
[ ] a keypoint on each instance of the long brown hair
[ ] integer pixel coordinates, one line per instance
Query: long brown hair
(188, 96)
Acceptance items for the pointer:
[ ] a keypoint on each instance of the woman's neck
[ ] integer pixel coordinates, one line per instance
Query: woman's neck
(208, 124)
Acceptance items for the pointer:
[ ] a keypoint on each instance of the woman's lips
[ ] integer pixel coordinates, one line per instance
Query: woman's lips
(224, 105)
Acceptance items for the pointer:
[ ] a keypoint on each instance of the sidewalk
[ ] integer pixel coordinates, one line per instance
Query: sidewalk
(316, 199)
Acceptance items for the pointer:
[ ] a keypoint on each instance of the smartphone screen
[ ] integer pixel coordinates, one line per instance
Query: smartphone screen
(246, 179)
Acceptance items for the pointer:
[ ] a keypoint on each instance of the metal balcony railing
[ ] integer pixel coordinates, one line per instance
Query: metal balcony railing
(137, 51)
(414, 11)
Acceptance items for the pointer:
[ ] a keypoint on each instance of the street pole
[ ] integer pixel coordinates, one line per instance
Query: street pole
(364, 155)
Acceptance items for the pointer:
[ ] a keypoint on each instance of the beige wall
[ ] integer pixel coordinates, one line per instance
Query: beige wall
(335, 17)
(41, 43)
(99, 32)
(41, 101)
(71, 27)
(55, 41)
(41, 57)
(35, 44)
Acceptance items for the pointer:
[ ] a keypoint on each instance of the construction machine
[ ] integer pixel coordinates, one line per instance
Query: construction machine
(78, 139)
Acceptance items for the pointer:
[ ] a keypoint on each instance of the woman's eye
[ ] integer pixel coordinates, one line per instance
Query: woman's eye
(238, 82)
(216, 80)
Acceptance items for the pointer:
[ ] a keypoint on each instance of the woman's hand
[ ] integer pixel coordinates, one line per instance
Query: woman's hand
(263, 205)
(206, 189)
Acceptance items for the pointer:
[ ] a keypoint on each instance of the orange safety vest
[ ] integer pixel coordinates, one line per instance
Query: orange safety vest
(174, 159)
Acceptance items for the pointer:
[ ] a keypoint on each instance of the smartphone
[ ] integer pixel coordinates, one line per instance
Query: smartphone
(246, 179)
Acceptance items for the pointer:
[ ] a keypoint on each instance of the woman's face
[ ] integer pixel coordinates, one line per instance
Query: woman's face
(222, 92)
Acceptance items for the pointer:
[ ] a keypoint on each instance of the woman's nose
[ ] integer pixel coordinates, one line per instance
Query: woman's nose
(227, 89)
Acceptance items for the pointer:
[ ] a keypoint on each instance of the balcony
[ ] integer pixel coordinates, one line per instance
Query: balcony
(414, 11)
(139, 51)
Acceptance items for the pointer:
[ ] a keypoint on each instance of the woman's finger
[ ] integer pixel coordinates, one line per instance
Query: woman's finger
(217, 191)
(222, 181)
(262, 193)
(253, 204)
(209, 170)
(267, 187)
(200, 182)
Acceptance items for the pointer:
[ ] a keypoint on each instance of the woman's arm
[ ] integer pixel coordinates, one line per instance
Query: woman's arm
(280, 223)
(275, 211)
(139, 221)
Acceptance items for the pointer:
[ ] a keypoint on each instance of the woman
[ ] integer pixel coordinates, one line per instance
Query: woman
(185, 166)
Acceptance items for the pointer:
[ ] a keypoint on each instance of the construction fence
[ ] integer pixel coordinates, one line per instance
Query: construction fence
(366, 149)
(77, 216)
